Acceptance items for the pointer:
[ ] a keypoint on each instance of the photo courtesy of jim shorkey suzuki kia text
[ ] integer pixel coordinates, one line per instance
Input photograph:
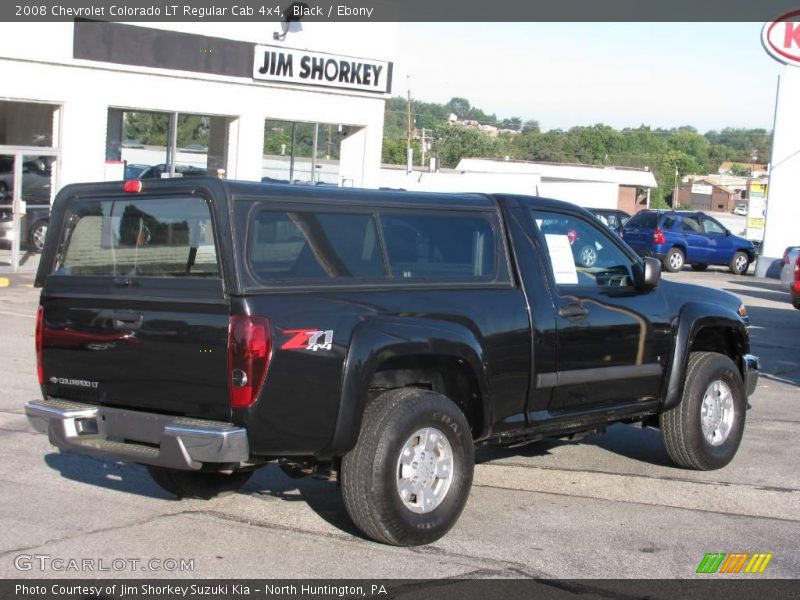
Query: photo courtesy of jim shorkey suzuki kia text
(163, 590)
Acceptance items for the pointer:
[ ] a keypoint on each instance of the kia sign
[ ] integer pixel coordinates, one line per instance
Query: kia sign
(781, 38)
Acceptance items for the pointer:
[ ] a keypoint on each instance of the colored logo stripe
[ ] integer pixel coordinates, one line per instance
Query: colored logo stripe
(711, 562)
(721, 562)
(758, 563)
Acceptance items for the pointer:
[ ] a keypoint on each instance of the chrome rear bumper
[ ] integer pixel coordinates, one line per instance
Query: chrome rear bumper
(129, 435)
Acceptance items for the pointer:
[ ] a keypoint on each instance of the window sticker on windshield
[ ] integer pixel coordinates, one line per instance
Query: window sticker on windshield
(561, 259)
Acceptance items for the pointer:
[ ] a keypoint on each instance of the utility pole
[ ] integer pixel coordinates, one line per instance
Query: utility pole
(422, 149)
(675, 192)
(409, 150)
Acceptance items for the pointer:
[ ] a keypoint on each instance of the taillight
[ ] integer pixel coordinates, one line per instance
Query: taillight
(249, 352)
(658, 236)
(39, 327)
(796, 282)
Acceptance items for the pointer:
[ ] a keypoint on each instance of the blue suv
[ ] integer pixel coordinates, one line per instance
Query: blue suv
(687, 237)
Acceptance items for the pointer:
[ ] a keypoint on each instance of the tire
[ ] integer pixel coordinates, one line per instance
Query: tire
(372, 474)
(689, 442)
(587, 256)
(699, 266)
(739, 264)
(674, 260)
(37, 236)
(198, 484)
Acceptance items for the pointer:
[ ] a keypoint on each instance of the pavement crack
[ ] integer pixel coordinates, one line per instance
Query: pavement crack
(752, 486)
(595, 498)
(79, 534)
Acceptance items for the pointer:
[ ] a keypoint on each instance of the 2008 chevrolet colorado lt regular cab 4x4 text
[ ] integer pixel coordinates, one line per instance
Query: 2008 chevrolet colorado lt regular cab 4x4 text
(205, 328)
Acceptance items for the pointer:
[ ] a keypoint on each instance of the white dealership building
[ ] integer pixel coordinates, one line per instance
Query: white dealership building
(301, 102)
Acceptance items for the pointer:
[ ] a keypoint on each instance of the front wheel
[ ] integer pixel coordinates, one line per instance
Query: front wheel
(198, 484)
(407, 480)
(704, 431)
(588, 256)
(673, 261)
(739, 263)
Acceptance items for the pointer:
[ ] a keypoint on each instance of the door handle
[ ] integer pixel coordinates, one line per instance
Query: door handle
(573, 310)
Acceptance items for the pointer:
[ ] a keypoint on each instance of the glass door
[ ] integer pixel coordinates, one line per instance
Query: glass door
(27, 182)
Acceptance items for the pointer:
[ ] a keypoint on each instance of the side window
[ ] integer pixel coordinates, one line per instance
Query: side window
(443, 247)
(314, 245)
(668, 222)
(691, 225)
(711, 226)
(581, 254)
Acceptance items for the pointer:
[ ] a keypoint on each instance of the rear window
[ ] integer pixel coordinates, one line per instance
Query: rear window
(319, 245)
(145, 237)
(646, 220)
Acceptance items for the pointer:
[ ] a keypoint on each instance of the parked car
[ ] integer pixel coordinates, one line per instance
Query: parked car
(790, 273)
(156, 171)
(372, 336)
(741, 209)
(134, 171)
(613, 218)
(678, 238)
(33, 225)
(36, 183)
(36, 178)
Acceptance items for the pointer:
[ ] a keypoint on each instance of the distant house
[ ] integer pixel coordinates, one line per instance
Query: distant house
(755, 169)
(709, 194)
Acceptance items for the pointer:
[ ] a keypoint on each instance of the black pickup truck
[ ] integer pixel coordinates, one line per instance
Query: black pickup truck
(205, 328)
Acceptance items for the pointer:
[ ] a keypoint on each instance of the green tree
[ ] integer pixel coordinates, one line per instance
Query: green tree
(454, 142)
(460, 107)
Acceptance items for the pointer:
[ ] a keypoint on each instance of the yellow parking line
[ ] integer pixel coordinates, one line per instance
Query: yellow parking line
(3, 281)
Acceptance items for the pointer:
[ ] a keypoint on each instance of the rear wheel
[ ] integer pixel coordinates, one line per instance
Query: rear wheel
(704, 431)
(739, 263)
(198, 484)
(673, 261)
(407, 479)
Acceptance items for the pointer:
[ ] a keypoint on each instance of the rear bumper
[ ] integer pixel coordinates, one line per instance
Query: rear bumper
(750, 368)
(134, 436)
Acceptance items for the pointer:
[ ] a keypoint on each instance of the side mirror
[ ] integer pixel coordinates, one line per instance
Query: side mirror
(728, 233)
(652, 273)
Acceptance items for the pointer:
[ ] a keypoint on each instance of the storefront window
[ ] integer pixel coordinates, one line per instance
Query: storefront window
(27, 123)
(302, 152)
(155, 144)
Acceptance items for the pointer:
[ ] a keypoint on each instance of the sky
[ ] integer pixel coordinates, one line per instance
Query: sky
(707, 75)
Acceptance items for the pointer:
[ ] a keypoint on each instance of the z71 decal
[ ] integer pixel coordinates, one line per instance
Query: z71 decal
(308, 339)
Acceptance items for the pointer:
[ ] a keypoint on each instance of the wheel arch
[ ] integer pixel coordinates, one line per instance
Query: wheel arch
(398, 352)
(703, 327)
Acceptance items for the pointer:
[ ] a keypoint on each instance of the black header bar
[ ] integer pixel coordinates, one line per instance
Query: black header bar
(400, 10)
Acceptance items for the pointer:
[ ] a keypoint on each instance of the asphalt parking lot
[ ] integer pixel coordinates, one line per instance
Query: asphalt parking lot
(607, 506)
